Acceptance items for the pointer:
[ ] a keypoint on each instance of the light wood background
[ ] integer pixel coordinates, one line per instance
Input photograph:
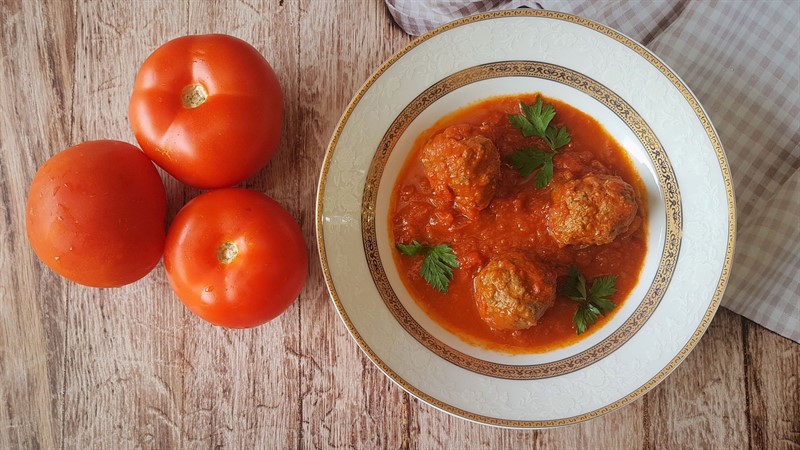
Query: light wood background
(130, 367)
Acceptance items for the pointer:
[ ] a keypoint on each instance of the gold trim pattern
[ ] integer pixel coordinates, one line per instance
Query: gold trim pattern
(666, 181)
(723, 276)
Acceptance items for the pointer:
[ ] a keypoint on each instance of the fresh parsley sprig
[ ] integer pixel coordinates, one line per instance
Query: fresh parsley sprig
(529, 159)
(592, 303)
(535, 121)
(438, 264)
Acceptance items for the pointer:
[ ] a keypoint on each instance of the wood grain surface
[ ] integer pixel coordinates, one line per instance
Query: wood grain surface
(131, 368)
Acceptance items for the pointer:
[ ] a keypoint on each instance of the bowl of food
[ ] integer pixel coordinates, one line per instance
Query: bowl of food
(525, 219)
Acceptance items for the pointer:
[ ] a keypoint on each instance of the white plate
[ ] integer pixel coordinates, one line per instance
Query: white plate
(642, 103)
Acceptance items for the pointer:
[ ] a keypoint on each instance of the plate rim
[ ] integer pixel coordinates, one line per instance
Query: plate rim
(715, 142)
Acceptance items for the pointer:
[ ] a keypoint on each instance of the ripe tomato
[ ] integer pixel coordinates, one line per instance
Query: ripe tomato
(207, 109)
(235, 257)
(95, 214)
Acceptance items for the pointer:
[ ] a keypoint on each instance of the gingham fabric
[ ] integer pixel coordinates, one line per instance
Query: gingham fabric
(740, 58)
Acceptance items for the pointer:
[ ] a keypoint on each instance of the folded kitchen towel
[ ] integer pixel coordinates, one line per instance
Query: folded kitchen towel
(742, 61)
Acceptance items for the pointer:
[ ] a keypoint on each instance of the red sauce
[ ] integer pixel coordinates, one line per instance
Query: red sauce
(515, 219)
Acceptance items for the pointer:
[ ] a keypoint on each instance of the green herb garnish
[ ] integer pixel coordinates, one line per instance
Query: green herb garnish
(594, 302)
(438, 265)
(529, 159)
(535, 121)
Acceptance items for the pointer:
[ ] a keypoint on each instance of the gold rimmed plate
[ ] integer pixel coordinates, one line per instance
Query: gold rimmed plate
(649, 111)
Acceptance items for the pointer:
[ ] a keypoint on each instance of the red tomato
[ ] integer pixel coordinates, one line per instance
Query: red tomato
(235, 257)
(95, 214)
(207, 109)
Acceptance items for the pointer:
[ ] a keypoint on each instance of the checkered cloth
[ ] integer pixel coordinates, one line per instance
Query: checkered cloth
(741, 60)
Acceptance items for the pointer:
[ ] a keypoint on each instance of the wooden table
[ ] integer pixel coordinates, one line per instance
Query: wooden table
(131, 367)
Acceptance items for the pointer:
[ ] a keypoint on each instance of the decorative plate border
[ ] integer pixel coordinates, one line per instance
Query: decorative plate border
(666, 182)
(719, 290)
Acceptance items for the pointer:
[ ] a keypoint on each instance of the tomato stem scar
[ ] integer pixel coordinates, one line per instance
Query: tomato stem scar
(193, 95)
(227, 252)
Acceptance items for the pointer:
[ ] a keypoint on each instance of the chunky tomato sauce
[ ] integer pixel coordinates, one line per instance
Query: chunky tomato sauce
(516, 219)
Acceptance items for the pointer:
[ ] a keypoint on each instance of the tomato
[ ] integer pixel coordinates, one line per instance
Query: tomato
(235, 257)
(95, 214)
(207, 109)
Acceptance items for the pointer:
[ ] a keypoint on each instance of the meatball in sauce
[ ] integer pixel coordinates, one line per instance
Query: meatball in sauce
(592, 210)
(515, 242)
(462, 162)
(512, 292)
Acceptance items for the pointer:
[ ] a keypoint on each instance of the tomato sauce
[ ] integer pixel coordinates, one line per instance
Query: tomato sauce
(516, 219)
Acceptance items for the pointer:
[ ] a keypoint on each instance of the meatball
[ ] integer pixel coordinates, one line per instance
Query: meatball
(465, 163)
(513, 291)
(592, 210)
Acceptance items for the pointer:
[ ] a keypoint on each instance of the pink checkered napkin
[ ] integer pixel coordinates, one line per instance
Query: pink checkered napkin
(743, 64)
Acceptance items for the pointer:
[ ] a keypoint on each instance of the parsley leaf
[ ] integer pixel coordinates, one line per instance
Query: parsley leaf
(438, 264)
(602, 288)
(413, 249)
(575, 285)
(535, 121)
(545, 174)
(592, 303)
(523, 124)
(580, 320)
(529, 159)
(557, 137)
